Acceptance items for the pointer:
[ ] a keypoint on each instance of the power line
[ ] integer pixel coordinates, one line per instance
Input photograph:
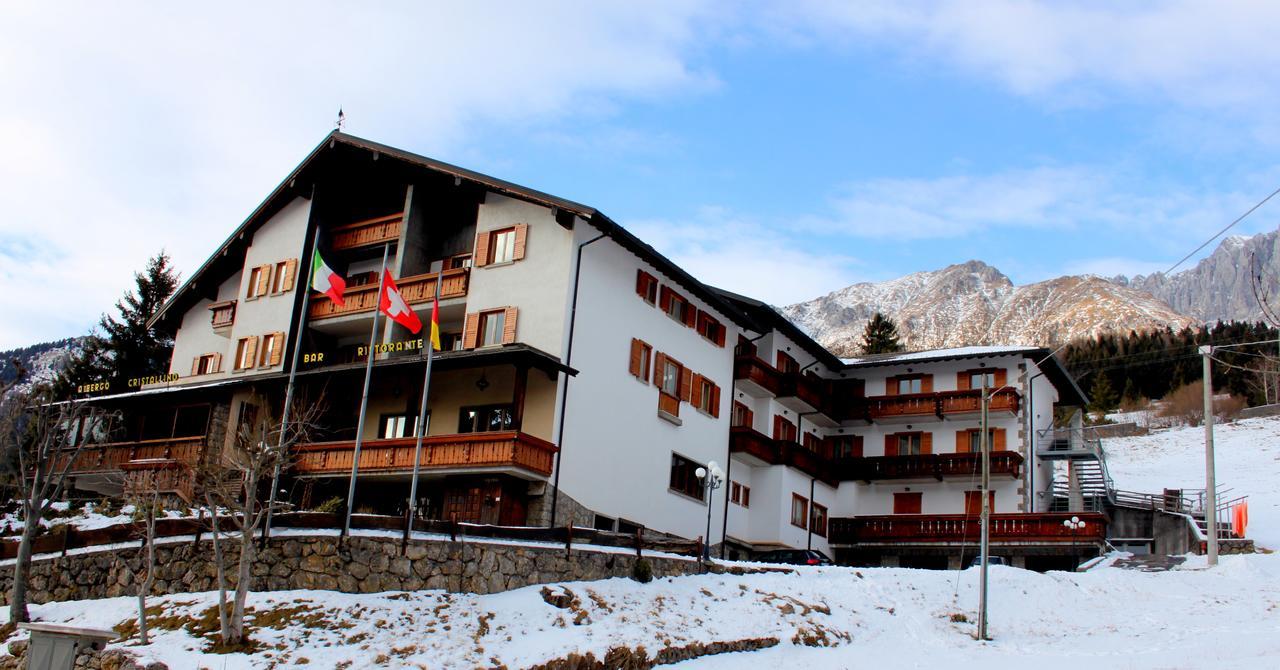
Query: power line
(1220, 232)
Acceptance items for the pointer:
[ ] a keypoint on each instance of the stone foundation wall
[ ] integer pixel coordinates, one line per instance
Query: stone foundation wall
(358, 565)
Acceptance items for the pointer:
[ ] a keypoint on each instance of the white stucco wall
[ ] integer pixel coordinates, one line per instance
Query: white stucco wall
(617, 450)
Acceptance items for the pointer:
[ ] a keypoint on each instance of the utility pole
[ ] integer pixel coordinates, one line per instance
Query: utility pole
(1210, 483)
(985, 522)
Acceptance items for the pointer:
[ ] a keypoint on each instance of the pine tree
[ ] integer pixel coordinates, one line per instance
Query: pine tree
(1102, 397)
(880, 336)
(1130, 393)
(126, 348)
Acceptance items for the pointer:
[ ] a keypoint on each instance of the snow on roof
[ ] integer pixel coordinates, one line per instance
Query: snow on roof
(932, 354)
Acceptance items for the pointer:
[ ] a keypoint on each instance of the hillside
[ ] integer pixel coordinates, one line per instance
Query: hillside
(973, 303)
(42, 361)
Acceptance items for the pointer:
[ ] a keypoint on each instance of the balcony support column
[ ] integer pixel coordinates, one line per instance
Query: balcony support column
(518, 396)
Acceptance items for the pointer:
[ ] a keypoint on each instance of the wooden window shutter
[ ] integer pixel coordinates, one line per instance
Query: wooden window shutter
(264, 280)
(926, 384)
(715, 401)
(926, 443)
(659, 369)
(195, 366)
(290, 275)
(964, 441)
(470, 330)
(720, 335)
(217, 362)
(998, 440)
(891, 386)
(251, 352)
(636, 348)
(962, 381)
(857, 446)
(664, 299)
(522, 236)
(481, 257)
(277, 348)
(509, 326)
(686, 384)
(696, 391)
(891, 445)
(777, 427)
(1002, 377)
(690, 315)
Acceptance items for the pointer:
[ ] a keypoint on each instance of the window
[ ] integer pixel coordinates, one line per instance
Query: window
(909, 444)
(846, 446)
(975, 440)
(278, 277)
(907, 503)
(799, 511)
(246, 417)
(711, 328)
(818, 521)
(492, 325)
(739, 494)
(973, 502)
(978, 379)
(647, 287)
(677, 307)
(258, 278)
(603, 523)
(391, 426)
(783, 430)
(812, 442)
(484, 418)
(670, 377)
(742, 416)
(206, 364)
(191, 421)
(706, 395)
(246, 350)
(684, 477)
(906, 385)
(641, 354)
(502, 245)
(458, 262)
(268, 350)
(786, 363)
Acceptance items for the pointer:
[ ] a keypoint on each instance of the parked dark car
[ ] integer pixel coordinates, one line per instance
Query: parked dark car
(991, 560)
(795, 557)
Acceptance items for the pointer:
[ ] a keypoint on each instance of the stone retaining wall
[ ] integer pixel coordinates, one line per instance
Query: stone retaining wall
(357, 565)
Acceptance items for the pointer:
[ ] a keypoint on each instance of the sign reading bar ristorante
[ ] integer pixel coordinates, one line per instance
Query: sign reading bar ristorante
(358, 352)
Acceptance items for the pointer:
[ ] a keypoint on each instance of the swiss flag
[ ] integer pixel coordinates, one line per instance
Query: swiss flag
(393, 305)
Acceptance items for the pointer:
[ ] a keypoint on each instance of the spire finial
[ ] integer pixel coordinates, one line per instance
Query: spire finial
(342, 120)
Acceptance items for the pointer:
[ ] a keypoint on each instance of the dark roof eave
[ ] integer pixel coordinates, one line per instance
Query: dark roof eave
(767, 317)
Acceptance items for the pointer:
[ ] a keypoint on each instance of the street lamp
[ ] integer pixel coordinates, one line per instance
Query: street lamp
(1075, 524)
(712, 477)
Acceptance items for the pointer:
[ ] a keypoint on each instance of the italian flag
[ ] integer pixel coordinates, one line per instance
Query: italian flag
(325, 280)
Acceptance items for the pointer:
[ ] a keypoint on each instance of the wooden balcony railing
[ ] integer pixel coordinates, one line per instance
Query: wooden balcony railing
(939, 404)
(746, 440)
(223, 314)
(112, 456)
(416, 289)
(964, 528)
(364, 233)
(159, 475)
(496, 449)
(937, 466)
(811, 390)
(753, 369)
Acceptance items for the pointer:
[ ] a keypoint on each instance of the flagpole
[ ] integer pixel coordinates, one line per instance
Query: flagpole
(364, 396)
(420, 427)
(288, 391)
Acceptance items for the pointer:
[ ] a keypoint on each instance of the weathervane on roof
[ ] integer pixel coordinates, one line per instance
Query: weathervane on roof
(342, 120)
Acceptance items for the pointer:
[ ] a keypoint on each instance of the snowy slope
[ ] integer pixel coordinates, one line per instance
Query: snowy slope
(1247, 454)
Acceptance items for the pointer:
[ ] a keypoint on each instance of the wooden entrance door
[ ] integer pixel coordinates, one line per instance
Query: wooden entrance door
(973, 502)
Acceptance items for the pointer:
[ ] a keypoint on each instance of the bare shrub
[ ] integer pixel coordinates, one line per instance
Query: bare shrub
(1184, 406)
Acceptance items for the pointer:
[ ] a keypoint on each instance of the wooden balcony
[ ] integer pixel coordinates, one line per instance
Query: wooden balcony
(759, 378)
(747, 441)
(112, 456)
(924, 466)
(366, 233)
(809, 390)
(165, 476)
(508, 449)
(890, 408)
(416, 289)
(222, 314)
(1039, 528)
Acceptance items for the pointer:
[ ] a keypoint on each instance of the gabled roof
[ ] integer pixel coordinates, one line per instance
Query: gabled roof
(767, 318)
(295, 184)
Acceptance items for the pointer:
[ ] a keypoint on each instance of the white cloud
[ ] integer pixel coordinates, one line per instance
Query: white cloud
(132, 126)
(739, 255)
(1217, 55)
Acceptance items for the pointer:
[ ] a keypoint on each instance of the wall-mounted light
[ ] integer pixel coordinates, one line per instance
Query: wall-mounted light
(483, 382)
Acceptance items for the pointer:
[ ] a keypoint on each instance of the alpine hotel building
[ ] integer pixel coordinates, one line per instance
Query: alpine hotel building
(581, 373)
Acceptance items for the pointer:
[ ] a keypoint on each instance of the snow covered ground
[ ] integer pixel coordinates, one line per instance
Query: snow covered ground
(1193, 617)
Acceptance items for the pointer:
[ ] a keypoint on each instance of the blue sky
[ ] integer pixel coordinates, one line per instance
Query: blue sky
(783, 150)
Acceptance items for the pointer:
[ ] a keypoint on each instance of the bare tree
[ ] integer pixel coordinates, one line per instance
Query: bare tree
(231, 488)
(144, 493)
(45, 438)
